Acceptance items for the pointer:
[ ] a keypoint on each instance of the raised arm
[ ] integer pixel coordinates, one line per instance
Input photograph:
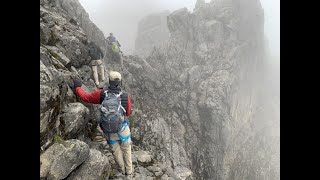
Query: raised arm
(93, 97)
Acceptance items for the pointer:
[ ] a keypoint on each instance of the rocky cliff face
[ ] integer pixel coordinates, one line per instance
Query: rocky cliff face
(200, 107)
(152, 31)
(203, 98)
(65, 124)
(77, 16)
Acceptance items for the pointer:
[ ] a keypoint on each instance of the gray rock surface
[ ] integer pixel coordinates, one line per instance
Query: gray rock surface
(143, 156)
(96, 167)
(80, 17)
(75, 116)
(60, 159)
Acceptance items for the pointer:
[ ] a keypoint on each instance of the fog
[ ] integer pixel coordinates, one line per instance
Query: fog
(122, 16)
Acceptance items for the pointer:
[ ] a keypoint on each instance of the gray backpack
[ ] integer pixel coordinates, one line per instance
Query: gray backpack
(112, 113)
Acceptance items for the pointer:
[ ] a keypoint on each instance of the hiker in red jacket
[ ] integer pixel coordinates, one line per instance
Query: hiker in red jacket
(117, 133)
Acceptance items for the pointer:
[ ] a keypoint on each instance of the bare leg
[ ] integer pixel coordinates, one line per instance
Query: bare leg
(95, 75)
(103, 77)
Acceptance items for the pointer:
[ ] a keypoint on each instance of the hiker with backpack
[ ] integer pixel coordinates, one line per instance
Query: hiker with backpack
(111, 39)
(114, 48)
(96, 56)
(115, 109)
(113, 43)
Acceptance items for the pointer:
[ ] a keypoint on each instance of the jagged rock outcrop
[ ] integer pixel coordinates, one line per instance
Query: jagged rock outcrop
(74, 8)
(152, 31)
(201, 96)
(77, 16)
(67, 39)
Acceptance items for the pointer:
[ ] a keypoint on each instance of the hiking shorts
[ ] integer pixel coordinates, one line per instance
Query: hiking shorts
(96, 62)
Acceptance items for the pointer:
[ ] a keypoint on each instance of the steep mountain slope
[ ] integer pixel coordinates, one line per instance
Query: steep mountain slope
(201, 104)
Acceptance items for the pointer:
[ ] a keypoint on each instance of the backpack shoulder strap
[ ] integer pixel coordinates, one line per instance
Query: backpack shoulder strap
(120, 105)
(118, 95)
(106, 93)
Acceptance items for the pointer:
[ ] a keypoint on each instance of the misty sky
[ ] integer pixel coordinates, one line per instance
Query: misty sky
(122, 16)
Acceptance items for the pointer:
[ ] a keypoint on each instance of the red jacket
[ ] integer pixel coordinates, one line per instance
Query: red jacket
(95, 97)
